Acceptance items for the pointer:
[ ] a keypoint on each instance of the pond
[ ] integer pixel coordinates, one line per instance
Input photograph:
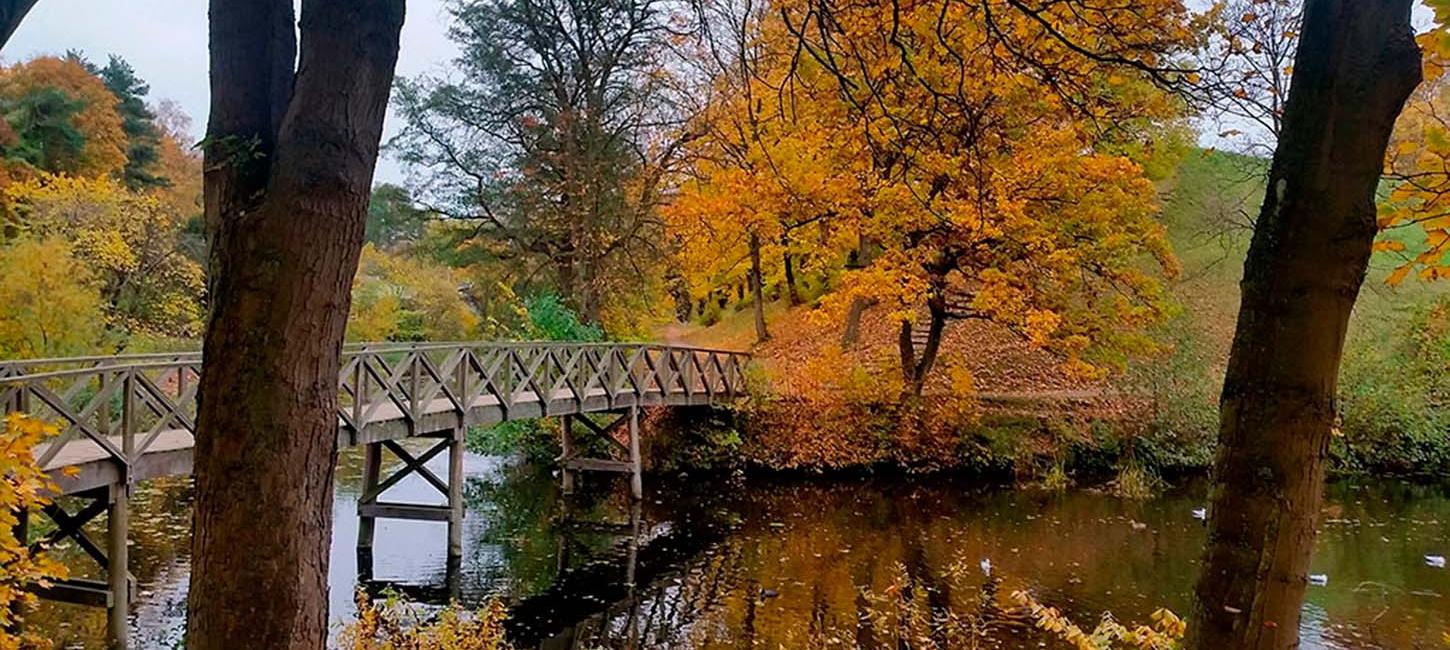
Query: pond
(736, 562)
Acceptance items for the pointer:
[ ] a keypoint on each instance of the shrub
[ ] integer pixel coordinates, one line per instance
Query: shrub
(1393, 397)
(397, 625)
(535, 440)
(552, 320)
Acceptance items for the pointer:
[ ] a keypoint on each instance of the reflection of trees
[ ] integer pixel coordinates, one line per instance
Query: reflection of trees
(522, 511)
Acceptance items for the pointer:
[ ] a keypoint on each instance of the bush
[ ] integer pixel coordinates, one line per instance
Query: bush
(396, 625)
(1393, 398)
(535, 440)
(551, 320)
(691, 438)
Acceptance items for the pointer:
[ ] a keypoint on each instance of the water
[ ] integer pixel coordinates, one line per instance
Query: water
(773, 562)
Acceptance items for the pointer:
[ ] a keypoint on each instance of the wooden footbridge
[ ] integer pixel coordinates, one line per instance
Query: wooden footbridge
(128, 418)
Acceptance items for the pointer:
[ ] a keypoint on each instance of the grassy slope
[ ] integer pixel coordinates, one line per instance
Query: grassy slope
(1206, 207)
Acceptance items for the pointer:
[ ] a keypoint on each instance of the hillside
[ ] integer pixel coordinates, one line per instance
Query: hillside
(1208, 207)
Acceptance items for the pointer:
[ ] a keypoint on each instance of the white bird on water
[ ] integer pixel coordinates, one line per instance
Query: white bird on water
(1200, 514)
(986, 565)
(1437, 561)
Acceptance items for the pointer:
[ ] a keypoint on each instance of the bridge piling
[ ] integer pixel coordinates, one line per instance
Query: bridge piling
(367, 524)
(118, 574)
(566, 444)
(455, 493)
(636, 478)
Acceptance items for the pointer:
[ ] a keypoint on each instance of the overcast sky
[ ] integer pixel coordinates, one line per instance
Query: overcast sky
(165, 40)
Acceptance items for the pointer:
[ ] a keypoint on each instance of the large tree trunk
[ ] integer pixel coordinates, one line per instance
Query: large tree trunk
(289, 164)
(1357, 63)
(757, 290)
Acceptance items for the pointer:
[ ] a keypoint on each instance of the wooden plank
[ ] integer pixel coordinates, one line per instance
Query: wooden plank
(76, 591)
(599, 465)
(413, 511)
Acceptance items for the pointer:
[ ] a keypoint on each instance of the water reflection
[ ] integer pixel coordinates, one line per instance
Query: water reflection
(797, 563)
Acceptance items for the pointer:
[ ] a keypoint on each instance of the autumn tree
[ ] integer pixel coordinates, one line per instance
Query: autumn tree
(291, 144)
(62, 118)
(1243, 69)
(53, 307)
(1413, 217)
(130, 241)
(551, 141)
(993, 165)
(763, 178)
(1356, 64)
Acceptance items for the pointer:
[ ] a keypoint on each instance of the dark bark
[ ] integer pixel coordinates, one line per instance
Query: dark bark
(1357, 63)
(791, 292)
(289, 164)
(852, 331)
(914, 370)
(858, 259)
(11, 13)
(757, 290)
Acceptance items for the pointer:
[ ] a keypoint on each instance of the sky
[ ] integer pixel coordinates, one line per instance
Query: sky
(165, 41)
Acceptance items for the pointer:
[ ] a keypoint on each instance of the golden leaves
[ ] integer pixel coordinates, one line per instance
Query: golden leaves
(22, 487)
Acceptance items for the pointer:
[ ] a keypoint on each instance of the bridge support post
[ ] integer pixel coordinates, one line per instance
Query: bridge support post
(566, 445)
(455, 493)
(367, 523)
(636, 478)
(118, 574)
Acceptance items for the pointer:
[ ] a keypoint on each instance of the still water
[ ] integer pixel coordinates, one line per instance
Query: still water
(794, 563)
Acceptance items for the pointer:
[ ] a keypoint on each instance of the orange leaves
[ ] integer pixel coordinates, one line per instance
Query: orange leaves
(104, 151)
(1415, 213)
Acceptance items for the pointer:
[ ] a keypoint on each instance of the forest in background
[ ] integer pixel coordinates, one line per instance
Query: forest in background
(895, 247)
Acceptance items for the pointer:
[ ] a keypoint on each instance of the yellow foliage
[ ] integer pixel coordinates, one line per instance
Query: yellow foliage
(130, 242)
(394, 625)
(401, 298)
(49, 304)
(23, 486)
(964, 180)
(1167, 630)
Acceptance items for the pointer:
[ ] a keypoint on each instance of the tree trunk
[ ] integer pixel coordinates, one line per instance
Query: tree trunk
(852, 332)
(914, 370)
(791, 292)
(757, 290)
(289, 164)
(1357, 63)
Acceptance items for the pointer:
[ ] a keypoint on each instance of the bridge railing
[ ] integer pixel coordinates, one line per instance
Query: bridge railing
(122, 407)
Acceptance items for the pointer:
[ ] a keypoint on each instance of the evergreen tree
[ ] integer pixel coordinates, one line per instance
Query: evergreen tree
(143, 136)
